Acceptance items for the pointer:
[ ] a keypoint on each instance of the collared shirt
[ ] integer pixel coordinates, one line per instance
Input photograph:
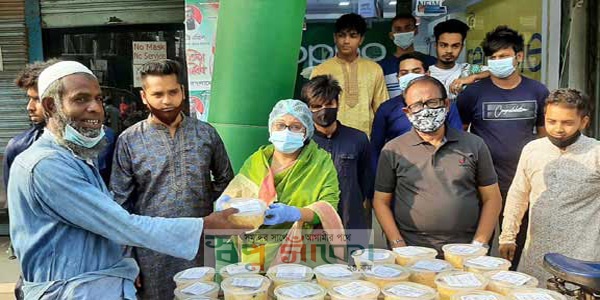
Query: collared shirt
(350, 151)
(65, 226)
(561, 189)
(391, 122)
(24, 140)
(391, 67)
(363, 89)
(155, 174)
(436, 196)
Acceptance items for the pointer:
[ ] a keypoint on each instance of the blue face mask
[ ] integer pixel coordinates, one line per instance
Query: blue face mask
(502, 67)
(406, 78)
(73, 136)
(286, 141)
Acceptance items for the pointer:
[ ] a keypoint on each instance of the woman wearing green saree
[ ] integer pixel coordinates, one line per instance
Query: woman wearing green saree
(298, 182)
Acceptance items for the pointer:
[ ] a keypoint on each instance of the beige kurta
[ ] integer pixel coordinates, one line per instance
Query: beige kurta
(363, 90)
(562, 189)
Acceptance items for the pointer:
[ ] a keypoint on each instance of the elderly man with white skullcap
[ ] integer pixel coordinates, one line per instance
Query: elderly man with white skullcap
(295, 178)
(67, 231)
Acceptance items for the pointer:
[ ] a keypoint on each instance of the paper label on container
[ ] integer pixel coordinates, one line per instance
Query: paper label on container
(290, 272)
(479, 297)
(406, 291)
(532, 296)
(486, 261)
(248, 207)
(464, 249)
(385, 272)
(197, 288)
(435, 266)
(463, 280)
(511, 277)
(194, 273)
(410, 251)
(354, 289)
(239, 269)
(247, 282)
(368, 255)
(299, 291)
(335, 272)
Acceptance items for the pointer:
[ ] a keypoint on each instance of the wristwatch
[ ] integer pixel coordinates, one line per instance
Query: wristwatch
(398, 241)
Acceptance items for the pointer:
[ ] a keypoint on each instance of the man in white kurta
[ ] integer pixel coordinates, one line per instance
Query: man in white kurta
(558, 178)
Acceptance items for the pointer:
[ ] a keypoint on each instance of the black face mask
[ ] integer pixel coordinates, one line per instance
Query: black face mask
(566, 142)
(167, 117)
(325, 117)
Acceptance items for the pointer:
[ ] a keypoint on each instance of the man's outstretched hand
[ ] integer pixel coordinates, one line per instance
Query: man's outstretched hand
(218, 221)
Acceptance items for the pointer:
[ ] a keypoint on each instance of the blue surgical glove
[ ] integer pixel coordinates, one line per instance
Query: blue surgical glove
(220, 203)
(280, 213)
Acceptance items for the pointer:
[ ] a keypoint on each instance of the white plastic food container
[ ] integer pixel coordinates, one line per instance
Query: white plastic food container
(198, 274)
(451, 283)
(353, 290)
(504, 282)
(285, 273)
(239, 269)
(456, 254)
(408, 291)
(328, 275)
(369, 257)
(300, 290)
(197, 290)
(424, 271)
(535, 293)
(483, 264)
(251, 212)
(478, 295)
(382, 275)
(246, 287)
(409, 254)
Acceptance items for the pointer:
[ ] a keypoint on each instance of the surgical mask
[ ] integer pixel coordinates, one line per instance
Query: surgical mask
(286, 141)
(404, 39)
(566, 142)
(75, 137)
(502, 67)
(325, 117)
(428, 120)
(406, 78)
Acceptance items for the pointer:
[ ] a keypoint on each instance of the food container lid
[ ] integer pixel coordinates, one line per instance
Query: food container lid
(487, 263)
(477, 295)
(196, 290)
(460, 280)
(245, 284)
(511, 279)
(430, 265)
(464, 249)
(336, 272)
(409, 290)
(300, 290)
(387, 271)
(354, 289)
(247, 206)
(290, 272)
(193, 274)
(414, 251)
(373, 254)
(535, 294)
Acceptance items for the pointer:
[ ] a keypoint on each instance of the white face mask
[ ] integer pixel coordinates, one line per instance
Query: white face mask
(406, 78)
(404, 39)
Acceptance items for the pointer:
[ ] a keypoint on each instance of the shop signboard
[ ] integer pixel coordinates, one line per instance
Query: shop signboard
(200, 37)
(144, 52)
(430, 8)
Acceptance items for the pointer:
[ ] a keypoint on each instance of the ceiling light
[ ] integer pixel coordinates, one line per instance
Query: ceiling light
(344, 3)
(392, 3)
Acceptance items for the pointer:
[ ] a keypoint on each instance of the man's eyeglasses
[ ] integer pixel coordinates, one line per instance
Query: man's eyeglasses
(431, 103)
(297, 128)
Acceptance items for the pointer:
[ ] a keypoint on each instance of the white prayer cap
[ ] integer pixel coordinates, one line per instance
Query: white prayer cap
(58, 71)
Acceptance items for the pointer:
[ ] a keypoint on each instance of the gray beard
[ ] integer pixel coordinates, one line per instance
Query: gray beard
(85, 153)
